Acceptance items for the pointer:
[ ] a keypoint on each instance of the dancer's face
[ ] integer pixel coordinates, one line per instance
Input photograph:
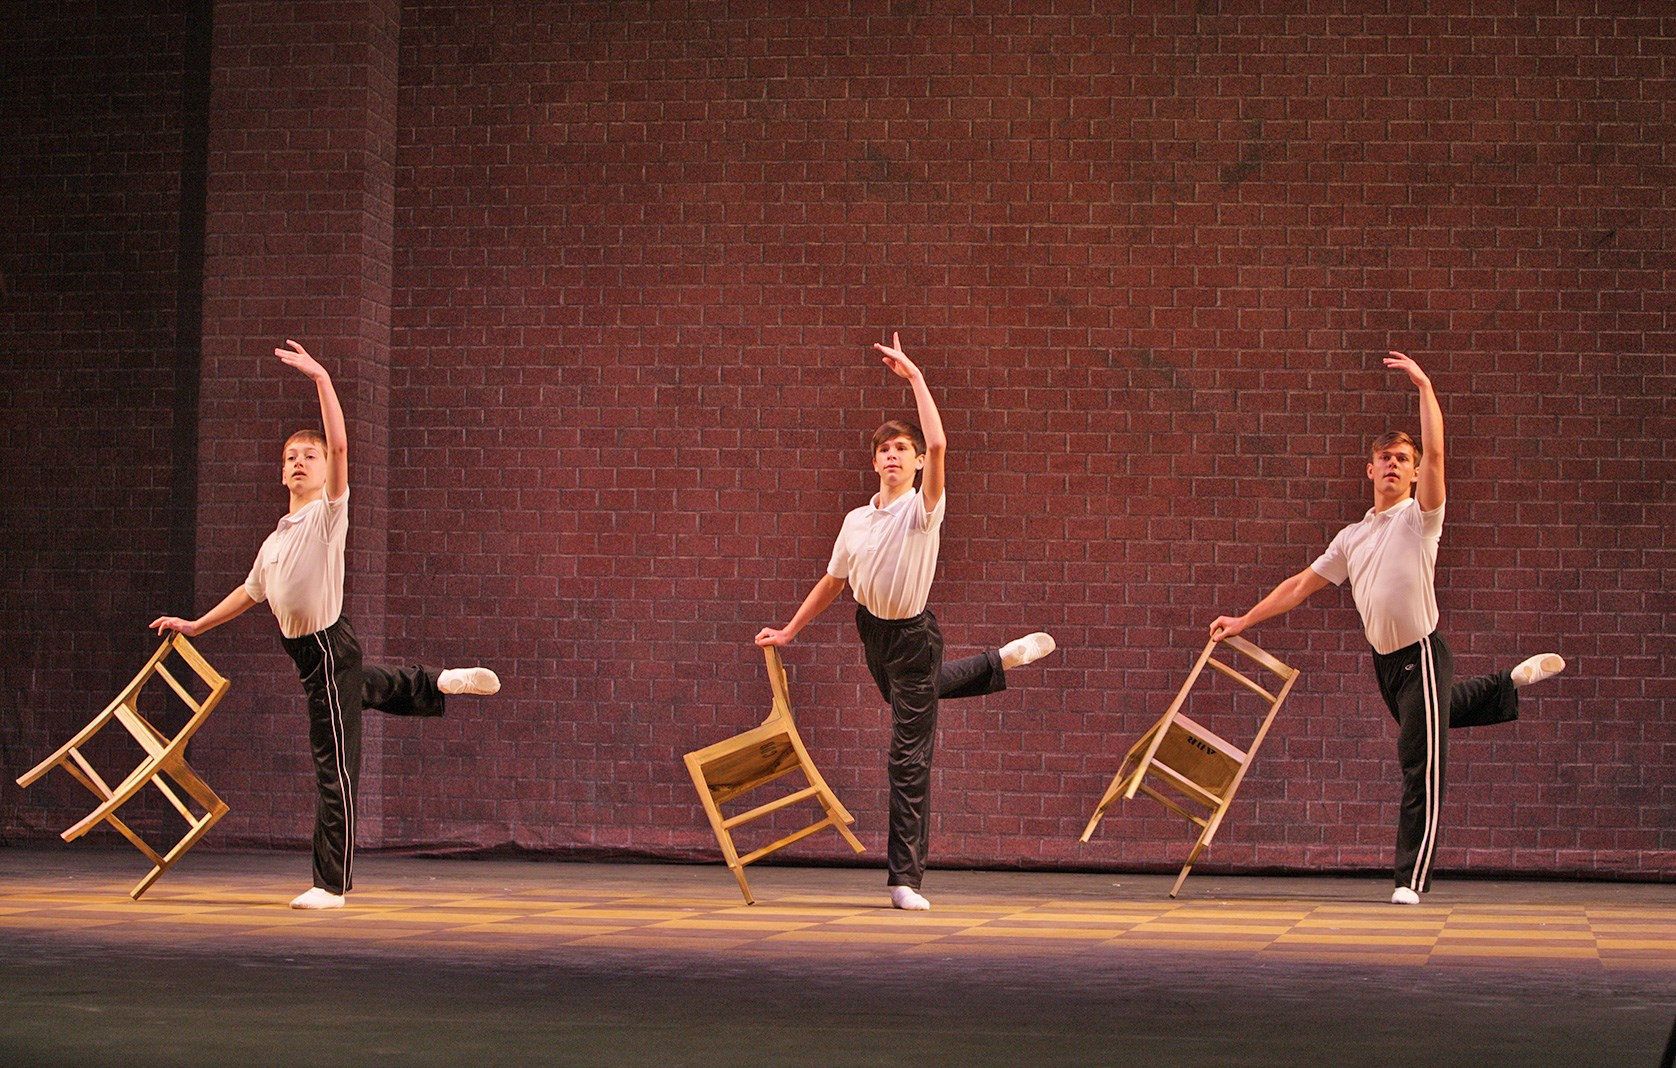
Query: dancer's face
(304, 470)
(1393, 471)
(896, 463)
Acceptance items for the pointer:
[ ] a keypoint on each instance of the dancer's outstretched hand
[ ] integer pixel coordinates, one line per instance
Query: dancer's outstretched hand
(896, 359)
(298, 357)
(1226, 627)
(1406, 364)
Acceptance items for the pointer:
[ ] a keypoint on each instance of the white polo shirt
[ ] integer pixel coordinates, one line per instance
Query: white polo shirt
(1390, 558)
(889, 555)
(299, 570)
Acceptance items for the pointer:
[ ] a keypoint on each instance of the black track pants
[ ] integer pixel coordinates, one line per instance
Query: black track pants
(906, 659)
(1418, 685)
(338, 686)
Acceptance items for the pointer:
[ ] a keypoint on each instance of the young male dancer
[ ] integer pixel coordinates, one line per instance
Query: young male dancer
(887, 550)
(1390, 558)
(299, 572)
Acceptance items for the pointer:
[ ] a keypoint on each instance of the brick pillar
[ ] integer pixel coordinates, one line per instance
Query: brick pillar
(298, 238)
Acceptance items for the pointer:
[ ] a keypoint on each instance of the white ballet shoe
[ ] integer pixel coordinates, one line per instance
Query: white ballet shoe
(1539, 667)
(1026, 650)
(1402, 895)
(906, 897)
(316, 898)
(476, 680)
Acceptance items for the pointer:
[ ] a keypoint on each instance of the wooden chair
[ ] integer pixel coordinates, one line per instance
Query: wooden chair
(1188, 768)
(163, 760)
(729, 769)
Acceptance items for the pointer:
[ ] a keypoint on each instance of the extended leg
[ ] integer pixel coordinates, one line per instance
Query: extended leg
(1487, 699)
(986, 672)
(408, 691)
(971, 676)
(1483, 700)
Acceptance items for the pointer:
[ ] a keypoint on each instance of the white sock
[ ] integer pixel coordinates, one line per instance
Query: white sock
(1402, 895)
(1539, 667)
(317, 898)
(906, 897)
(477, 680)
(1026, 650)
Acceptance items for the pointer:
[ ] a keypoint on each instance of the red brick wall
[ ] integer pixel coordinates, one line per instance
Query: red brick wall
(1150, 263)
(637, 254)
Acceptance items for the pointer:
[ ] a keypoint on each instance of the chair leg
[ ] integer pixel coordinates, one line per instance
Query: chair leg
(744, 887)
(855, 843)
(199, 829)
(1198, 847)
(120, 796)
(1185, 868)
(838, 814)
(1124, 782)
(1117, 787)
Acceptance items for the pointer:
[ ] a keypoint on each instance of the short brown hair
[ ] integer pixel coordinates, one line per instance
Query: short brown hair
(310, 435)
(1395, 437)
(899, 428)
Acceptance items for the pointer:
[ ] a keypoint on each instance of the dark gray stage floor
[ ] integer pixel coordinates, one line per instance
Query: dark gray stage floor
(513, 962)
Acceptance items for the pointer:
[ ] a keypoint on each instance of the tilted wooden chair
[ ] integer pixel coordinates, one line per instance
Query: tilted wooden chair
(1187, 767)
(732, 768)
(163, 759)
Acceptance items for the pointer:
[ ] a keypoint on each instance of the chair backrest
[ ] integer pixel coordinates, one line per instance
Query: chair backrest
(777, 684)
(1285, 673)
(760, 755)
(217, 683)
(1273, 665)
(127, 710)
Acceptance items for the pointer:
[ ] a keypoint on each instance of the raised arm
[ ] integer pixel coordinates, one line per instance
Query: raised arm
(331, 417)
(819, 600)
(1280, 600)
(930, 421)
(1429, 486)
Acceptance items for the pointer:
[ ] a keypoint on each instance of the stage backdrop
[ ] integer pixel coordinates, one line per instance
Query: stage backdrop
(598, 283)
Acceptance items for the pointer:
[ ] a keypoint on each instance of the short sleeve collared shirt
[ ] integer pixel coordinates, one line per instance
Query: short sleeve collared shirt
(299, 570)
(889, 555)
(1390, 558)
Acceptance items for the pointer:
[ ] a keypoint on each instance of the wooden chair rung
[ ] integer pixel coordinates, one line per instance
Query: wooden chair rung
(1242, 679)
(1174, 806)
(772, 806)
(796, 836)
(1187, 786)
(84, 773)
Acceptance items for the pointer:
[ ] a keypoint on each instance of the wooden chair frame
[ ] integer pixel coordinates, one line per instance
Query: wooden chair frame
(164, 759)
(1188, 768)
(735, 766)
